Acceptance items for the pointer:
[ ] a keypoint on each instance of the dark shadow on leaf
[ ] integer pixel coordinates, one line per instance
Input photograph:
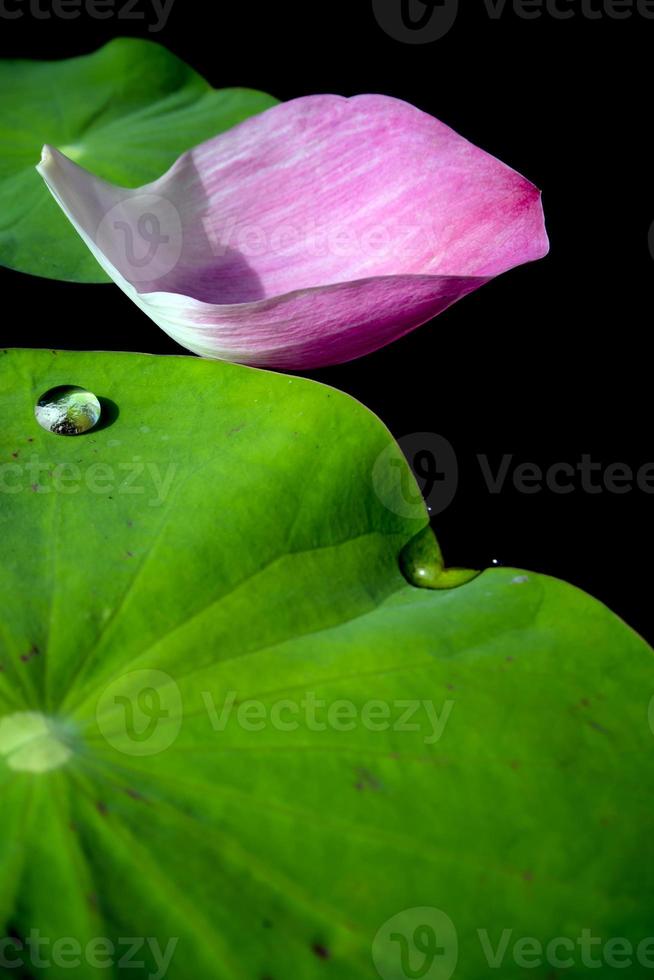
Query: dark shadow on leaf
(110, 413)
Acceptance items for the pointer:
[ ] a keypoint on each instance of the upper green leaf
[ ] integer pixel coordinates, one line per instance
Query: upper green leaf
(125, 112)
(227, 719)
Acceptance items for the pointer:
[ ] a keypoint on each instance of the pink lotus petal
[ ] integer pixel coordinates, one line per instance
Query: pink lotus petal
(314, 233)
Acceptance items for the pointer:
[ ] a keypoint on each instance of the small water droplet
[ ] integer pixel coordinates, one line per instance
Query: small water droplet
(67, 410)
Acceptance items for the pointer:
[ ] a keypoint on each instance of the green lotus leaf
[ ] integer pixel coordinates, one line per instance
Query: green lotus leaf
(126, 112)
(233, 733)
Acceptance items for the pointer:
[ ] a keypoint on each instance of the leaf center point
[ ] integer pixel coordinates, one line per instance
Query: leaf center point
(32, 742)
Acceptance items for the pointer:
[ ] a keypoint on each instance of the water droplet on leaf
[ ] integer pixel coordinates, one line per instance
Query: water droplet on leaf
(422, 565)
(68, 410)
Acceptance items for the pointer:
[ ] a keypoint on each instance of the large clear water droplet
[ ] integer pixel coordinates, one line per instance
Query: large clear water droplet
(68, 410)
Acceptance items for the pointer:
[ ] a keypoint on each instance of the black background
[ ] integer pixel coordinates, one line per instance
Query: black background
(547, 363)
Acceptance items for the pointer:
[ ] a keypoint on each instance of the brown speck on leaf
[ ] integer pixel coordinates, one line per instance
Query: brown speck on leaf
(366, 780)
(528, 875)
(32, 652)
(101, 807)
(16, 454)
(585, 703)
(320, 951)
(34, 487)
(515, 764)
(30, 439)
(133, 793)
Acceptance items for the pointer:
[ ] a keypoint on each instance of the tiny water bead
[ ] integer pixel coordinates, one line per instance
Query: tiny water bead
(31, 742)
(68, 410)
